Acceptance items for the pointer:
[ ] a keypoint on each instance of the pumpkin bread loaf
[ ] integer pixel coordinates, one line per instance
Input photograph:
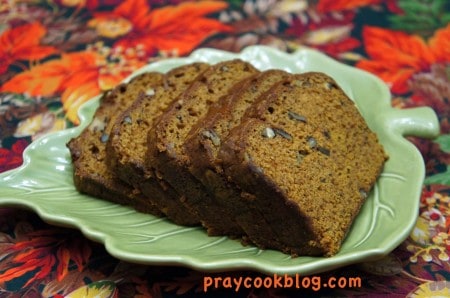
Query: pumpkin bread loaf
(88, 150)
(127, 146)
(166, 151)
(281, 160)
(306, 159)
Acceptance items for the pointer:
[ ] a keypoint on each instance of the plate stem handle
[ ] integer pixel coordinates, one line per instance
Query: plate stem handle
(419, 122)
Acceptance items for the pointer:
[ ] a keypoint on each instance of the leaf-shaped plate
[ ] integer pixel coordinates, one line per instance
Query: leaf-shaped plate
(44, 184)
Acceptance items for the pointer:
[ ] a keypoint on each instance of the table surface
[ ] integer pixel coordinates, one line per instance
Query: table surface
(55, 55)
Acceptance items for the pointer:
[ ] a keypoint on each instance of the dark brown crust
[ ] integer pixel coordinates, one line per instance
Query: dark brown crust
(172, 164)
(91, 173)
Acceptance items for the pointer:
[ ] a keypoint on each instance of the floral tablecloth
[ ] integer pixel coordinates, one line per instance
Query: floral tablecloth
(56, 55)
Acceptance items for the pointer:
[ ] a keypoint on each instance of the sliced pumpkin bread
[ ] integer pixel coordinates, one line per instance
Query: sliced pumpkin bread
(166, 151)
(91, 174)
(306, 160)
(127, 146)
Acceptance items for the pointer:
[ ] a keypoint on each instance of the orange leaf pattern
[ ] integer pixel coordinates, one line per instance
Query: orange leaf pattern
(54, 76)
(396, 57)
(79, 76)
(440, 44)
(37, 256)
(56, 55)
(172, 28)
(23, 43)
(75, 76)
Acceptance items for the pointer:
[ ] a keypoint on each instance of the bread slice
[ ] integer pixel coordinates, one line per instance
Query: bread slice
(203, 144)
(166, 151)
(88, 150)
(306, 159)
(127, 146)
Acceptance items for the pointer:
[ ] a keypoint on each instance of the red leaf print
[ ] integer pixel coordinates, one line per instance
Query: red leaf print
(94, 4)
(19, 146)
(395, 56)
(338, 5)
(40, 253)
(63, 255)
(15, 272)
(22, 43)
(12, 158)
(333, 5)
(45, 269)
(27, 255)
(136, 11)
(36, 241)
(334, 49)
(183, 27)
(79, 253)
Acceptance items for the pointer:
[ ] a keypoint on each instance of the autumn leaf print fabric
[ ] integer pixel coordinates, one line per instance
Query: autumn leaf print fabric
(57, 55)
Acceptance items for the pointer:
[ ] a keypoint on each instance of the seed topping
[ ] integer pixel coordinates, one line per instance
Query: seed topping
(271, 133)
(104, 138)
(282, 133)
(211, 135)
(97, 124)
(294, 116)
(324, 150)
(363, 193)
(127, 119)
(330, 85)
(312, 142)
(268, 133)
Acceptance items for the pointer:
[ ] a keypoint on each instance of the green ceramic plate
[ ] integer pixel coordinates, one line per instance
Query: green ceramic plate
(44, 184)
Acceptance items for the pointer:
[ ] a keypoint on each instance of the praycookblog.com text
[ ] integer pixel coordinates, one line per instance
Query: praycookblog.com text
(276, 281)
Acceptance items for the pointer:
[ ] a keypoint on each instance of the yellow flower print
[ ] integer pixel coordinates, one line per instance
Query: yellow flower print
(111, 27)
(39, 125)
